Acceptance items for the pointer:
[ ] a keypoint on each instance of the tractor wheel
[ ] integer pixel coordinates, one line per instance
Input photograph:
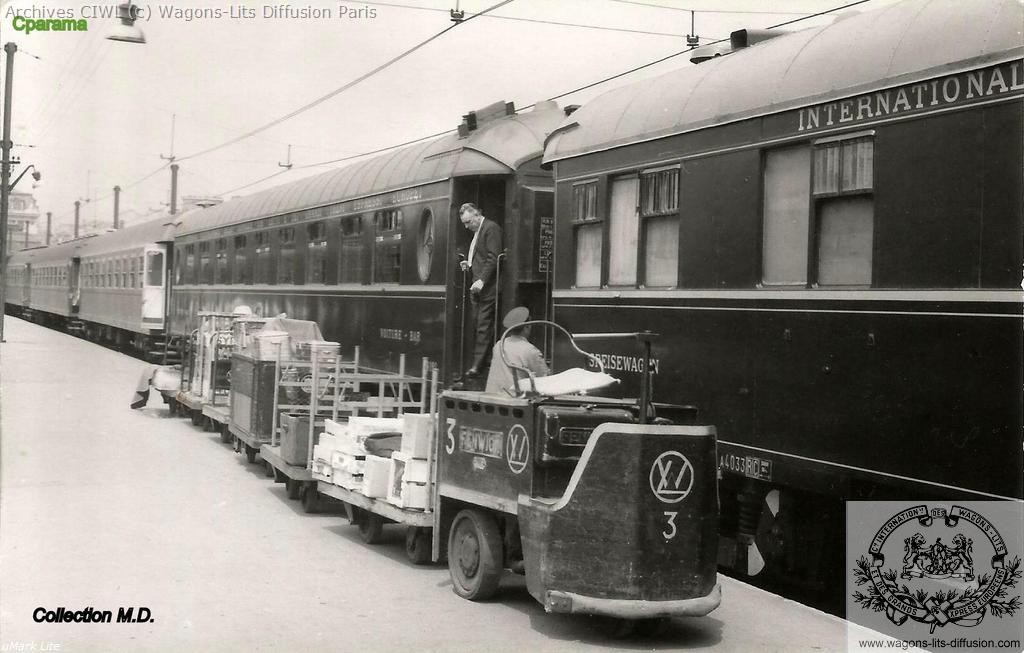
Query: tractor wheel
(475, 558)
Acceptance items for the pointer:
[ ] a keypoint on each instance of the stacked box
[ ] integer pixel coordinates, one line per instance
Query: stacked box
(360, 427)
(348, 469)
(375, 476)
(322, 471)
(417, 434)
(408, 480)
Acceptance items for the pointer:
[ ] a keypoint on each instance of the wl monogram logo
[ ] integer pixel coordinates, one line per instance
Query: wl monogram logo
(671, 477)
(517, 449)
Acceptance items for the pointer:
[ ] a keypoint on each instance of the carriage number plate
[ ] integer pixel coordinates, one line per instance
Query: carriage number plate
(749, 466)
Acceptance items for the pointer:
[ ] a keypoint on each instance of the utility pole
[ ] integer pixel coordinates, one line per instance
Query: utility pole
(78, 205)
(117, 205)
(5, 177)
(174, 188)
(49, 217)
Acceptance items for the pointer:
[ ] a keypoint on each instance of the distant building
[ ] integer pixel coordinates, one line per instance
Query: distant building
(22, 215)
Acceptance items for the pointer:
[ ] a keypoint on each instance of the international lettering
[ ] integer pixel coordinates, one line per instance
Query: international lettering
(1003, 79)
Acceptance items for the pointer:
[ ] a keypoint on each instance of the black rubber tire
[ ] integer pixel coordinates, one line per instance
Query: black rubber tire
(417, 545)
(293, 488)
(225, 435)
(371, 527)
(268, 469)
(654, 627)
(475, 556)
(172, 407)
(208, 424)
(616, 627)
(250, 454)
(238, 445)
(196, 416)
(279, 476)
(311, 500)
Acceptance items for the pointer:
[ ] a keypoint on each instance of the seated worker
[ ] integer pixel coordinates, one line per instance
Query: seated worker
(519, 352)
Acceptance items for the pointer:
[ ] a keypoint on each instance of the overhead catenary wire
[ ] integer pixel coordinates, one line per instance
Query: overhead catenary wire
(344, 87)
(530, 20)
(581, 88)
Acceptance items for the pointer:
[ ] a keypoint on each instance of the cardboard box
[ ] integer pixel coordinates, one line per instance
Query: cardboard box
(295, 439)
(322, 471)
(335, 428)
(348, 463)
(375, 476)
(360, 427)
(417, 434)
(408, 470)
(415, 496)
(348, 481)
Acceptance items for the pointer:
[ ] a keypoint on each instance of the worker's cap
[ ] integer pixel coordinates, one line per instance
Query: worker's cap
(515, 317)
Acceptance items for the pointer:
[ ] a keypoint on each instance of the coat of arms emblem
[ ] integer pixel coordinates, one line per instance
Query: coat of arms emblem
(938, 582)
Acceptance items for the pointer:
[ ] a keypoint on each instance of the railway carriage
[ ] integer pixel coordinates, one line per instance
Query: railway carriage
(827, 227)
(110, 287)
(370, 251)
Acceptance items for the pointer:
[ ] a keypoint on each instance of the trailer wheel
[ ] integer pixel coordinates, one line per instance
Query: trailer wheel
(474, 555)
(225, 434)
(292, 488)
(250, 454)
(311, 500)
(268, 469)
(279, 476)
(417, 545)
(371, 527)
(208, 424)
(196, 417)
(172, 407)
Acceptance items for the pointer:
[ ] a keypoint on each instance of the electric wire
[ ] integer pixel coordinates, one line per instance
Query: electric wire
(344, 87)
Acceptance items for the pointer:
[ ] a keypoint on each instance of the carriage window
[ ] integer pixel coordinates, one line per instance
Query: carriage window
(844, 208)
(221, 273)
(588, 256)
(387, 251)
(205, 264)
(622, 232)
(133, 271)
(286, 255)
(240, 270)
(659, 208)
(589, 235)
(425, 245)
(190, 264)
(263, 257)
(154, 268)
(350, 263)
(659, 192)
(316, 257)
(786, 205)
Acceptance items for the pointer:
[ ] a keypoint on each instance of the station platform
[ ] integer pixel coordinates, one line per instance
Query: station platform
(111, 508)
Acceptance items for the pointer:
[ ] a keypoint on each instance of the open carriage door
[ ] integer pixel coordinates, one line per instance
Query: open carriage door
(154, 287)
(489, 194)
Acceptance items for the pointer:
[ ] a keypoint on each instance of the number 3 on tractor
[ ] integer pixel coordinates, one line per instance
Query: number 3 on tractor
(670, 529)
(449, 445)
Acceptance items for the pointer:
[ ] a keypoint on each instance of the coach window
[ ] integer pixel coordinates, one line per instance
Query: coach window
(844, 206)
(387, 250)
(154, 269)
(350, 261)
(221, 273)
(659, 210)
(190, 263)
(286, 255)
(588, 228)
(263, 262)
(786, 209)
(124, 272)
(205, 264)
(240, 270)
(623, 231)
(133, 269)
(316, 254)
(425, 245)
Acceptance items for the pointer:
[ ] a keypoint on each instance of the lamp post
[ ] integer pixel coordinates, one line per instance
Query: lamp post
(5, 177)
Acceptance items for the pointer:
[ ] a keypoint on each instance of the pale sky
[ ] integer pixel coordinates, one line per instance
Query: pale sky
(92, 113)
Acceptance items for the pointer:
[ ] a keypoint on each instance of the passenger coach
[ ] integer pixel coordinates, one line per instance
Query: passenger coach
(370, 251)
(826, 228)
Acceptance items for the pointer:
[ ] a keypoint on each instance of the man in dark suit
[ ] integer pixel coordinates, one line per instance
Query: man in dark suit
(483, 262)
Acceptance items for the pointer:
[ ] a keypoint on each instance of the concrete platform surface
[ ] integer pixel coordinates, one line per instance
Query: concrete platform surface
(111, 508)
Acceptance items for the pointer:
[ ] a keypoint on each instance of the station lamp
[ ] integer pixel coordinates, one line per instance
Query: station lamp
(127, 32)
